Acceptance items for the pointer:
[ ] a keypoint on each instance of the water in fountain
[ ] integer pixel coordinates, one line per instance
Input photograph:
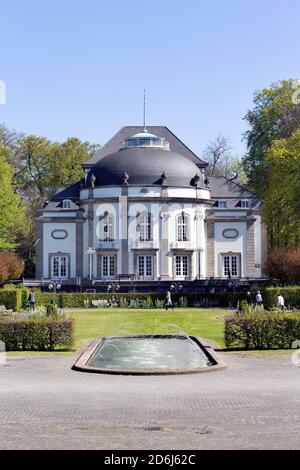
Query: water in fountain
(170, 349)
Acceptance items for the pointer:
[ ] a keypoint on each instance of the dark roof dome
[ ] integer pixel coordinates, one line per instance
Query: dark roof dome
(144, 165)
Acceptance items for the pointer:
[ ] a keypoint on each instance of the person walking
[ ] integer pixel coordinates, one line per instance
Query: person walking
(258, 299)
(249, 298)
(280, 301)
(32, 300)
(168, 301)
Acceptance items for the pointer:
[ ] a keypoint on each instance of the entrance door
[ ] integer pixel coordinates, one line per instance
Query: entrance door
(231, 265)
(108, 266)
(59, 267)
(145, 266)
(181, 266)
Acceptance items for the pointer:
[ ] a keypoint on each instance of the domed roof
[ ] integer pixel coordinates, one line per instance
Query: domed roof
(144, 166)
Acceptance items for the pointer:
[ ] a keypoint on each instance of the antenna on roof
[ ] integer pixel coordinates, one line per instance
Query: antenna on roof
(144, 130)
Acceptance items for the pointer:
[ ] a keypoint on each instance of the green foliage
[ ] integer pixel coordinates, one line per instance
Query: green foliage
(159, 303)
(264, 330)
(36, 334)
(39, 167)
(83, 299)
(282, 202)
(51, 310)
(244, 307)
(274, 116)
(12, 299)
(11, 209)
(290, 294)
(182, 302)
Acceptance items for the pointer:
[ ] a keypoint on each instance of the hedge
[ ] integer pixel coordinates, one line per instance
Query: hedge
(290, 294)
(37, 334)
(266, 330)
(78, 300)
(13, 298)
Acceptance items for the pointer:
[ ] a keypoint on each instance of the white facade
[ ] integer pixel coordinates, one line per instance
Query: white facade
(160, 220)
(173, 255)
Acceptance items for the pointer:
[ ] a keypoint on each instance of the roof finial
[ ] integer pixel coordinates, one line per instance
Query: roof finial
(144, 130)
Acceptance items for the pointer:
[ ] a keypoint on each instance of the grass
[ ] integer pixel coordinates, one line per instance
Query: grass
(91, 323)
(207, 323)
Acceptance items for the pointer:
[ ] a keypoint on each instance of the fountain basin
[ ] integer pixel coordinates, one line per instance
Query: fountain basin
(148, 355)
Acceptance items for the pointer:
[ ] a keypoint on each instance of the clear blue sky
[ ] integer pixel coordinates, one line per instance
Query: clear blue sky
(75, 68)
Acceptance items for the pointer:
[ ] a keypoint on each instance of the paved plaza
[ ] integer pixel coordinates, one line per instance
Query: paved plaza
(253, 404)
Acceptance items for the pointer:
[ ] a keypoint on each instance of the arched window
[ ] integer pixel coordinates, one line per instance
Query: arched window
(66, 204)
(145, 223)
(106, 233)
(182, 227)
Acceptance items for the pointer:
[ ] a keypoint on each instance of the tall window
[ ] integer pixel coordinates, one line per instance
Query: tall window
(181, 265)
(108, 265)
(182, 227)
(145, 266)
(145, 227)
(107, 227)
(59, 266)
(230, 265)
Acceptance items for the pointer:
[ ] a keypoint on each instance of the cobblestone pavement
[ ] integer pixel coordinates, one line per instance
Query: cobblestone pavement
(253, 404)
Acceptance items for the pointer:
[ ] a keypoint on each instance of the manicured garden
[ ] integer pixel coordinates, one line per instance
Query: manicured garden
(207, 323)
(64, 321)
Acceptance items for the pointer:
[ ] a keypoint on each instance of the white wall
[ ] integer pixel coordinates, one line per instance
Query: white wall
(66, 245)
(225, 245)
(257, 245)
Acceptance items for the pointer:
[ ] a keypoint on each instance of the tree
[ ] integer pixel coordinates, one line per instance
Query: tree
(221, 162)
(8, 138)
(11, 267)
(11, 209)
(218, 155)
(42, 166)
(283, 264)
(65, 166)
(33, 169)
(275, 115)
(282, 198)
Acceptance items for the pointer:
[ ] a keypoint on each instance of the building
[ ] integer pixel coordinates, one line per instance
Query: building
(145, 209)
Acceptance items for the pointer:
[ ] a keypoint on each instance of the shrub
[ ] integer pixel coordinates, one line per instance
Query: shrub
(263, 330)
(51, 310)
(244, 307)
(36, 334)
(290, 294)
(14, 298)
(83, 299)
(159, 303)
(283, 264)
(11, 266)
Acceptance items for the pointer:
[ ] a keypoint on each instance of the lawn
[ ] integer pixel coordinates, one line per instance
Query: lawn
(91, 323)
(207, 323)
